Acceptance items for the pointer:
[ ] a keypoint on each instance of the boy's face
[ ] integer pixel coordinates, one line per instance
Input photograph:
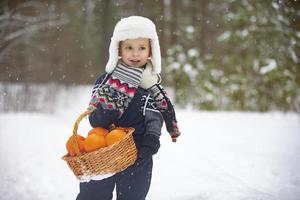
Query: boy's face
(135, 52)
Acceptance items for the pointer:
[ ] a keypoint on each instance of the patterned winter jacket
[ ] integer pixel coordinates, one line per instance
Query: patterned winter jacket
(141, 114)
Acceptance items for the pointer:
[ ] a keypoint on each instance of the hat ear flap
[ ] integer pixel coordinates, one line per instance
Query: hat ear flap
(113, 56)
(156, 56)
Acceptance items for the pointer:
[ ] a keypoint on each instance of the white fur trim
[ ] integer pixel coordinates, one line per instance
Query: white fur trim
(131, 28)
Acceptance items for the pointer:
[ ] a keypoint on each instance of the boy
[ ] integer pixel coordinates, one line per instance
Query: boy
(129, 95)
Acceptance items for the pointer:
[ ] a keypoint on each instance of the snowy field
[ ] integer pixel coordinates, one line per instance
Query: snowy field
(220, 156)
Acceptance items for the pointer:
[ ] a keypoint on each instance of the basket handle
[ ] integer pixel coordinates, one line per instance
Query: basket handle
(75, 129)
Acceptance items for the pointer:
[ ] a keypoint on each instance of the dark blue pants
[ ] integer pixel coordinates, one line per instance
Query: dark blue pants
(131, 184)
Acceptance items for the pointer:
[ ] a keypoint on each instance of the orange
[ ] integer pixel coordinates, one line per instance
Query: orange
(115, 136)
(93, 142)
(70, 145)
(98, 131)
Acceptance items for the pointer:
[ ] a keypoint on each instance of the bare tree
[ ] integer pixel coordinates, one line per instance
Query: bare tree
(173, 26)
(23, 20)
(106, 28)
(161, 26)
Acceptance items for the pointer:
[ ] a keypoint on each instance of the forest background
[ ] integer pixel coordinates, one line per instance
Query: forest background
(217, 55)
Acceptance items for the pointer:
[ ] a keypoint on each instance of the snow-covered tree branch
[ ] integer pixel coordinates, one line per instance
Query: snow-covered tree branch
(24, 20)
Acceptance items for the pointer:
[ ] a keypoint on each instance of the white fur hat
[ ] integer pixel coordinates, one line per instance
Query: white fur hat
(131, 28)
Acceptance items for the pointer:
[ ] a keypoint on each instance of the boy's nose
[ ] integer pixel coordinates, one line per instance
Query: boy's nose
(135, 53)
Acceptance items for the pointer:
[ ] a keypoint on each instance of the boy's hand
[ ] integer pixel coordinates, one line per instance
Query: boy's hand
(144, 152)
(149, 146)
(175, 134)
(149, 78)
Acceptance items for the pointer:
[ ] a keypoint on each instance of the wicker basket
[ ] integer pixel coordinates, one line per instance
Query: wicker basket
(107, 160)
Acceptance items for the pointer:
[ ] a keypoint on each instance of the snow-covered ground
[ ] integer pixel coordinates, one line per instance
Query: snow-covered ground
(220, 156)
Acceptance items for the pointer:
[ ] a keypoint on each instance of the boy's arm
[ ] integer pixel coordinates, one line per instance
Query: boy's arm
(151, 82)
(154, 122)
(100, 117)
(167, 110)
(113, 96)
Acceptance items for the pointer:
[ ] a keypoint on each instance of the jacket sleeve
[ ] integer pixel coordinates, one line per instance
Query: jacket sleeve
(154, 123)
(101, 117)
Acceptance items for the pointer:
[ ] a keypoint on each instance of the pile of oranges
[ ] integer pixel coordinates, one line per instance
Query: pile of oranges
(97, 138)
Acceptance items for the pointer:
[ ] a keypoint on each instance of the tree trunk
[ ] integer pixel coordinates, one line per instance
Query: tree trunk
(105, 30)
(174, 22)
(201, 39)
(161, 27)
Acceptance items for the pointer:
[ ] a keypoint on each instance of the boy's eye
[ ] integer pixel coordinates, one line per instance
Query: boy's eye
(142, 48)
(128, 47)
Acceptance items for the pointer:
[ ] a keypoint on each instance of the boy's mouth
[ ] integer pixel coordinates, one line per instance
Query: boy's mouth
(134, 61)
